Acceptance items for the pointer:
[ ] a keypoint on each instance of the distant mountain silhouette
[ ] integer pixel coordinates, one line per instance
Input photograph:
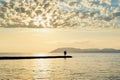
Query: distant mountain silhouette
(90, 50)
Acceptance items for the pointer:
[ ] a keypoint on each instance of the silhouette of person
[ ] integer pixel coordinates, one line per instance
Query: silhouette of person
(65, 53)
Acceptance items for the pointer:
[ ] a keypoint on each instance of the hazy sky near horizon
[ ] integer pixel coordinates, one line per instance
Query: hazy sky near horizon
(33, 40)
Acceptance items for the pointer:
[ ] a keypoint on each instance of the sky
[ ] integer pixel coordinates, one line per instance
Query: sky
(60, 13)
(33, 26)
(32, 40)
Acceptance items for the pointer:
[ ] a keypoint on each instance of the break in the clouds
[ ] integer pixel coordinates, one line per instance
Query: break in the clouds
(60, 13)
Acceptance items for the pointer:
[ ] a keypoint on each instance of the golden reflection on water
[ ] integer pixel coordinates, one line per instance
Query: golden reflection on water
(43, 68)
(81, 67)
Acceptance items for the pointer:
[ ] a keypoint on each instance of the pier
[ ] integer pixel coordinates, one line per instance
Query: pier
(32, 57)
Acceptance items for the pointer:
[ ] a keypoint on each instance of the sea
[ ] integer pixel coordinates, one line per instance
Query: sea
(82, 66)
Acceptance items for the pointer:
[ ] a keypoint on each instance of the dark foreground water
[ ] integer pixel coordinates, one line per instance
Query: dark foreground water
(97, 66)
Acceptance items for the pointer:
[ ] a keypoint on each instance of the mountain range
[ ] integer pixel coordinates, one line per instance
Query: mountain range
(90, 50)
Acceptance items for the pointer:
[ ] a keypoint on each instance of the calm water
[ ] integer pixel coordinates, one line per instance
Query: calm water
(80, 67)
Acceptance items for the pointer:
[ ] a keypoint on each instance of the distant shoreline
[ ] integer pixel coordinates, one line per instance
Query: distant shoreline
(91, 50)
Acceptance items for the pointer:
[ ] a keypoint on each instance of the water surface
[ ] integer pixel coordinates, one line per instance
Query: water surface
(87, 66)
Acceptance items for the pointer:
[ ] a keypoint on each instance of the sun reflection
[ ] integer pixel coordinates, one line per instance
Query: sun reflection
(43, 69)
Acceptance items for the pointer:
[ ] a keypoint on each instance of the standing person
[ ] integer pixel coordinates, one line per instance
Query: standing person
(65, 53)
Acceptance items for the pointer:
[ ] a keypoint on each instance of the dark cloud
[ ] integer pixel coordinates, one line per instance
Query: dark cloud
(116, 14)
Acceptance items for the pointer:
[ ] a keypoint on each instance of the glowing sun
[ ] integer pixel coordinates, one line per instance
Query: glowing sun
(45, 30)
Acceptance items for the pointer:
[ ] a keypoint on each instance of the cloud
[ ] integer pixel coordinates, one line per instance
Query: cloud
(59, 13)
(116, 14)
